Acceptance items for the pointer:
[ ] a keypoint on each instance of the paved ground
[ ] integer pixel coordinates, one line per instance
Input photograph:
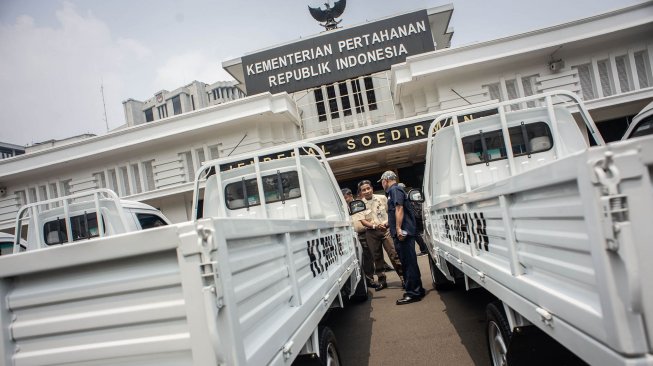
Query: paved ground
(443, 329)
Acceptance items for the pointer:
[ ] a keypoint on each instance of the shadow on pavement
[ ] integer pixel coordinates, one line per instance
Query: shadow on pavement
(353, 323)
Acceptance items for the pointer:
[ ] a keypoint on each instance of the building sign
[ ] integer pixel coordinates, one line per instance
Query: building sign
(338, 55)
(368, 140)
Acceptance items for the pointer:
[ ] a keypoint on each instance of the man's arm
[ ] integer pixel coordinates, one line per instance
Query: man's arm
(399, 216)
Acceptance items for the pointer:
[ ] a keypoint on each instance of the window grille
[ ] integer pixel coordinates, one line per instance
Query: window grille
(136, 178)
(605, 77)
(344, 99)
(585, 76)
(494, 90)
(319, 102)
(333, 102)
(149, 175)
(643, 71)
(125, 181)
(622, 72)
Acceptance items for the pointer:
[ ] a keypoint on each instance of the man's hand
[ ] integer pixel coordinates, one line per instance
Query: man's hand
(400, 235)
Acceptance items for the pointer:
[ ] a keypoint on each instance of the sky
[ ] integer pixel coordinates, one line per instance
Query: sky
(57, 57)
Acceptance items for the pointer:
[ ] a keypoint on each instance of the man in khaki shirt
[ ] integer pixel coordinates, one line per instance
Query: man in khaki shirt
(367, 262)
(377, 234)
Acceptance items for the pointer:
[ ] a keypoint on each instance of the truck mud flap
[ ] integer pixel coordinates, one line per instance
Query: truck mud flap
(530, 346)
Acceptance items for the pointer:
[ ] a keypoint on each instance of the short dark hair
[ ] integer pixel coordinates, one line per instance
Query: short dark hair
(346, 191)
(363, 182)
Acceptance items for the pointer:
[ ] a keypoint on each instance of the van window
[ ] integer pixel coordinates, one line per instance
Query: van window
(525, 139)
(149, 221)
(276, 187)
(83, 227)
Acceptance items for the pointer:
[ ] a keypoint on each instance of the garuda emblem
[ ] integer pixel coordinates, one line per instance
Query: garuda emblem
(329, 15)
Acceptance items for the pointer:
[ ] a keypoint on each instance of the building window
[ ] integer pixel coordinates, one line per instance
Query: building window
(358, 97)
(187, 161)
(21, 198)
(149, 175)
(54, 193)
(319, 102)
(333, 102)
(65, 187)
(586, 82)
(136, 179)
(494, 90)
(113, 180)
(371, 95)
(214, 151)
(344, 99)
(100, 179)
(605, 76)
(163, 111)
(643, 67)
(149, 116)
(623, 72)
(176, 105)
(124, 177)
(528, 83)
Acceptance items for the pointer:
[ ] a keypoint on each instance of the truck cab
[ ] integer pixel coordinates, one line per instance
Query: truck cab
(642, 123)
(294, 185)
(74, 218)
(475, 153)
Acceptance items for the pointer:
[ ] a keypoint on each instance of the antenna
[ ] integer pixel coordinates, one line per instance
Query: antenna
(106, 121)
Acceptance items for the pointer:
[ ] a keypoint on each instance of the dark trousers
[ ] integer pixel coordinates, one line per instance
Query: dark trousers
(408, 257)
(377, 241)
(368, 261)
(420, 243)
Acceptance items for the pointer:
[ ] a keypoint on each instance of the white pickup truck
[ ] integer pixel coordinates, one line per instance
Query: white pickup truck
(72, 218)
(248, 284)
(559, 232)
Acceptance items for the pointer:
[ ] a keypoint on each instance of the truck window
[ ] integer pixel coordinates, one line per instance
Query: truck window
(83, 227)
(242, 194)
(6, 247)
(281, 187)
(645, 127)
(149, 221)
(277, 187)
(525, 139)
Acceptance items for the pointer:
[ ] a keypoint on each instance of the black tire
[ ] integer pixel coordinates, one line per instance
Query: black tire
(329, 355)
(498, 334)
(440, 282)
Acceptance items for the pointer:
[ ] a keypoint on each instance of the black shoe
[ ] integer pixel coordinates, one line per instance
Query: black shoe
(387, 268)
(420, 254)
(381, 286)
(407, 300)
(372, 284)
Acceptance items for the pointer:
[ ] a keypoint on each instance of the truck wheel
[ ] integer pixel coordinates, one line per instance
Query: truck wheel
(440, 282)
(329, 355)
(498, 334)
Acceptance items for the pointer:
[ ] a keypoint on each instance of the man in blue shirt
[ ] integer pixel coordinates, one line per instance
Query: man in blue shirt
(403, 229)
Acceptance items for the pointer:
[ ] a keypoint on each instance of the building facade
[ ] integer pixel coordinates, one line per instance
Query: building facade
(365, 94)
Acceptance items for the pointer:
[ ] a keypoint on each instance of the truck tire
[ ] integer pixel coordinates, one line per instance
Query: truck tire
(440, 282)
(498, 334)
(329, 355)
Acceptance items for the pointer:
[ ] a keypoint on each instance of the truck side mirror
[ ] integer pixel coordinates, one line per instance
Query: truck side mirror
(356, 206)
(415, 195)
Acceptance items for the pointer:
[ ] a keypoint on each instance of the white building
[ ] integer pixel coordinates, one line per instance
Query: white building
(366, 94)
